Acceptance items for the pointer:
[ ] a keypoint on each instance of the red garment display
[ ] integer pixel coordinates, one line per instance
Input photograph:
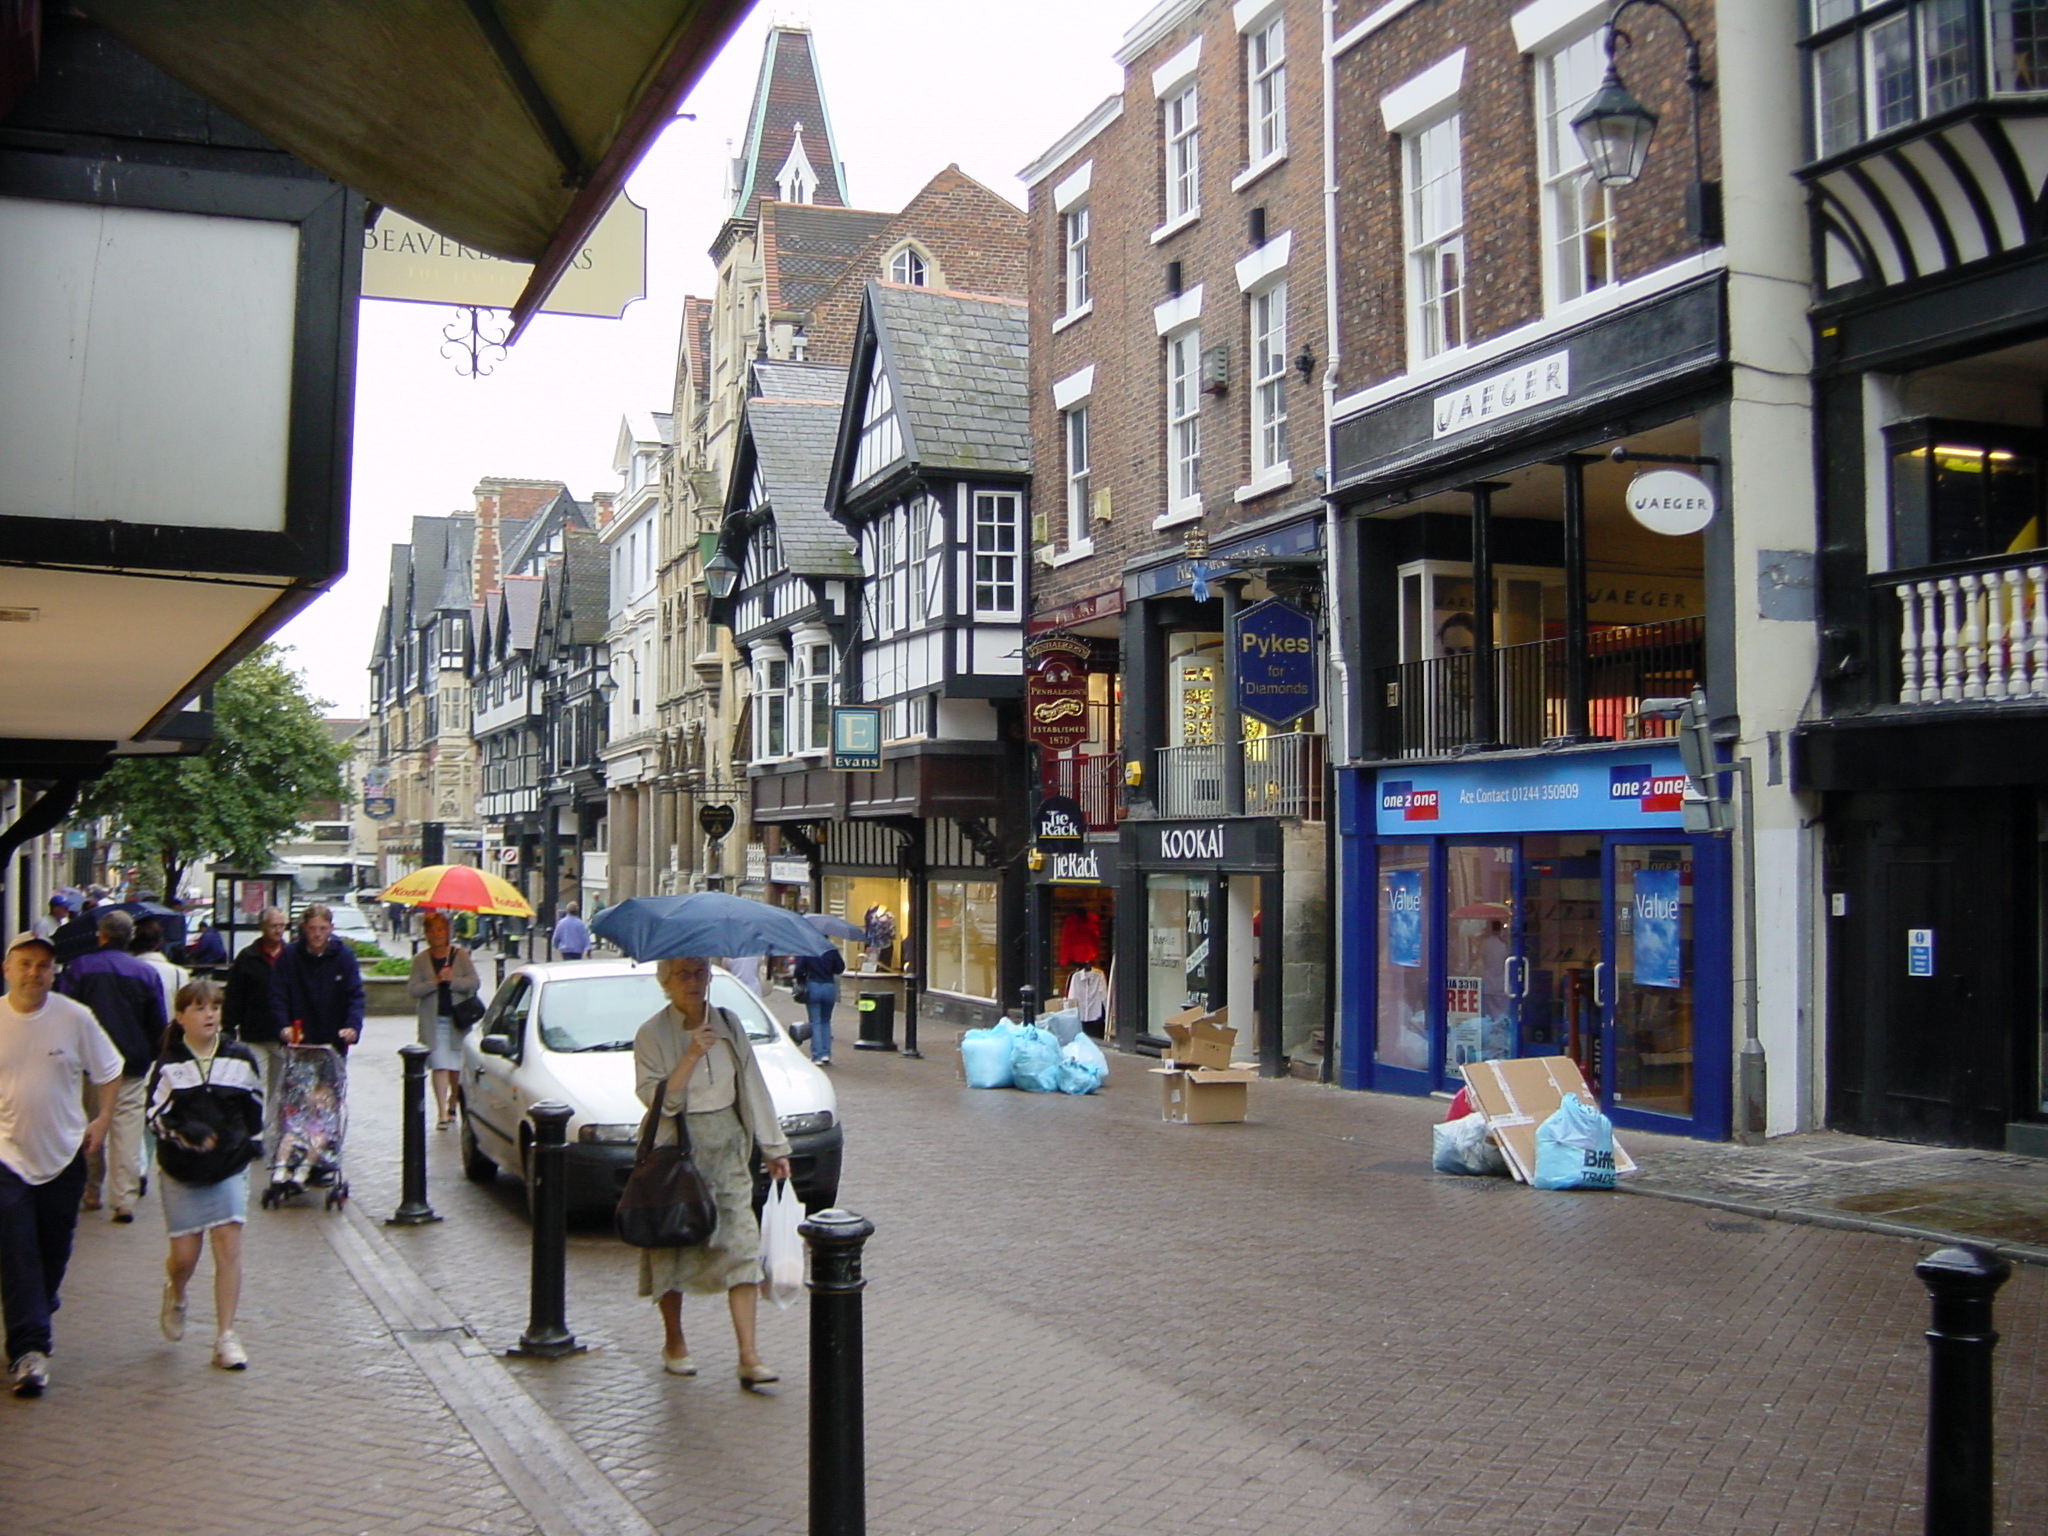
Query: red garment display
(1080, 939)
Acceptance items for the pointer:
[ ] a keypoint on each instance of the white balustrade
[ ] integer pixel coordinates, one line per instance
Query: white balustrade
(1977, 637)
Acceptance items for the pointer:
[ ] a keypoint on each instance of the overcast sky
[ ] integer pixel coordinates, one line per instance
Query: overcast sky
(912, 85)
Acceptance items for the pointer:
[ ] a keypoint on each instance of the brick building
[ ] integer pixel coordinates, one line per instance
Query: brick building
(1530, 368)
(1177, 288)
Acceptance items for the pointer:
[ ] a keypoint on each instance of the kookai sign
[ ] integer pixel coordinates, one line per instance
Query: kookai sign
(1278, 679)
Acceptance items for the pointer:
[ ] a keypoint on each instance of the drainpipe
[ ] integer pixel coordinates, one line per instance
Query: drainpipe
(1333, 571)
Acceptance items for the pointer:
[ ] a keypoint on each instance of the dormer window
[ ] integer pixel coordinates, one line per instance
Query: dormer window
(908, 268)
(796, 182)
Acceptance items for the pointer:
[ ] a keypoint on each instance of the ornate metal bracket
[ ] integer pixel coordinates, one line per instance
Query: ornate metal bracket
(470, 337)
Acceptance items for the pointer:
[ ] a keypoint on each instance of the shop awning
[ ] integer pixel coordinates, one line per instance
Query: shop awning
(508, 125)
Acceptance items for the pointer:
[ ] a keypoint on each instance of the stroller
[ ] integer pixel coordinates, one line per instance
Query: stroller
(312, 1119)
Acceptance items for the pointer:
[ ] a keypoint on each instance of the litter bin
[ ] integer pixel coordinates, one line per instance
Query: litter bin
(877, 1012)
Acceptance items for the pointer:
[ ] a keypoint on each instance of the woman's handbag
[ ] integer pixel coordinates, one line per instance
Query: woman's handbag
(666, 1203)
(467, 1013)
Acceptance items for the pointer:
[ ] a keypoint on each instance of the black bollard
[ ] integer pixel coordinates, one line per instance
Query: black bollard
(413, 1210)
(547, 1329)
(1961, 1281)
(839, 1492)
(910, 1015)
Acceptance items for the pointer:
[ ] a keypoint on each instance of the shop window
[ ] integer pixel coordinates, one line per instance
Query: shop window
(1405, 901)
(1962, 491)
(961, 937)
(1177, 955)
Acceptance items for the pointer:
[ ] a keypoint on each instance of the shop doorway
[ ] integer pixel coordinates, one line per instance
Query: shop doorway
(1609, 948)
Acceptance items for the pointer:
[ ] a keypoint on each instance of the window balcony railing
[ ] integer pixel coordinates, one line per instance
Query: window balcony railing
(1976, 635)
(1283, 776)
(1091, 781)
(1427, 708)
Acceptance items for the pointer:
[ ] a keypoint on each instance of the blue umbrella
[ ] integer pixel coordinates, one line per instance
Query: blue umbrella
(835, 927)
(710, 924)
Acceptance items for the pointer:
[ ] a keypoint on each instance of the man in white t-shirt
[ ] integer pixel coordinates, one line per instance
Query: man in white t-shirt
(47, 1043)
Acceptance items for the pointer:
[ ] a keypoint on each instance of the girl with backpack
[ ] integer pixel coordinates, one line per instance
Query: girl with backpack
(206, 1108)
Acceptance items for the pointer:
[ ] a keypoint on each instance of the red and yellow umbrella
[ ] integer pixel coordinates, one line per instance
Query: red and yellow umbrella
(457, 888)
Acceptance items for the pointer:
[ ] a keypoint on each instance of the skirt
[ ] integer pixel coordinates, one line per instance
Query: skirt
(445, 1046)
(722, 1149)
(193, 1208)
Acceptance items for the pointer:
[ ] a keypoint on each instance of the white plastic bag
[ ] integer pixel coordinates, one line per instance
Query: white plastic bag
(1463, 1146)
(782, 1246)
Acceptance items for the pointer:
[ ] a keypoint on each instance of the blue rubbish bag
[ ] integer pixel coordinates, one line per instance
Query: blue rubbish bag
(1065, 1025)
(985, 1056)
(1083, 1067)
(1575, 1148)
(1035, 1060)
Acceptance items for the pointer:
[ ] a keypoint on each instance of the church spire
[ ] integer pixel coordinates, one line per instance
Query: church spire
(789, 148)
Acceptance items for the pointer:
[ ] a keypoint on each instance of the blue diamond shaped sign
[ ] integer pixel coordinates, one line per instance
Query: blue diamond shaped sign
(1279, 674)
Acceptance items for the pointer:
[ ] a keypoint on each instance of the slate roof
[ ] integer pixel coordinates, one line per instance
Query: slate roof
(961, 374)
(586, 576)
(809, 246)
(518, 551)
(520, 598)
(787, 93)
(798, 381)
(793, 442)
(455, 583)
(429, 563)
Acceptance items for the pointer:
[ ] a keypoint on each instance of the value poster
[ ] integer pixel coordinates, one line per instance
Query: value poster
(1404, 916)
(1656, 928)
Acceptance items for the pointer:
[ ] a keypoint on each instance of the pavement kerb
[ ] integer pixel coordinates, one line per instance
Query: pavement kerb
(2018, 1253)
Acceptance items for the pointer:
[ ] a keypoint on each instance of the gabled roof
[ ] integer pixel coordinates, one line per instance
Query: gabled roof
(520, 609)
(788, 93)
(429, 563)
(586, 589)
(958, 367)
(563, 510)
(790, 442)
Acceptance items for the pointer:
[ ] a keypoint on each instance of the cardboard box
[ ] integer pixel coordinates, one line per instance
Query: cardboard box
(1517, 1096)
(1204, 1095)
(1201, 1039)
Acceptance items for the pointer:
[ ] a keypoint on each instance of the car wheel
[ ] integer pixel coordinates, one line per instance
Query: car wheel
(476, 1167)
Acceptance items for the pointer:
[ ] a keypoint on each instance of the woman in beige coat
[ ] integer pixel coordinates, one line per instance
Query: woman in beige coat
(442, 976)
(697, 1061)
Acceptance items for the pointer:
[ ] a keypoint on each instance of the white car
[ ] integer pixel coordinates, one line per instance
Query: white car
(353, 923)
(565, 1031)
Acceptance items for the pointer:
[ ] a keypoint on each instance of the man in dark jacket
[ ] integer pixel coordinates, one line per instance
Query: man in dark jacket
(319, 988)
(250, 1013)
(127, 996)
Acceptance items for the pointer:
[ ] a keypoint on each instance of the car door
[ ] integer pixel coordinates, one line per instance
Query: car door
(490, 1092)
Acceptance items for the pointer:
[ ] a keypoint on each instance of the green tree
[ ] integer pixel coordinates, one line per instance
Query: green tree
(271, 754)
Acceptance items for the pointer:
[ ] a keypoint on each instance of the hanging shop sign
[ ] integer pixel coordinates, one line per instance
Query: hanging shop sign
(406, 260)
(856, 738)
(1060, 820)
(785, 870)
(1056, 702)
(1671, 501)
(1640, 786)
(1278, 676)
(716, 820)
(379, 807)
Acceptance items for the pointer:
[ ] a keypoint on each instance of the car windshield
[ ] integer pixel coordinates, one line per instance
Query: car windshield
(603, 1013)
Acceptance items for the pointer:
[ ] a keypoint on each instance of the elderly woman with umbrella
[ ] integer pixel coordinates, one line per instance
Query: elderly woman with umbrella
(693, 1064)
(444, 981)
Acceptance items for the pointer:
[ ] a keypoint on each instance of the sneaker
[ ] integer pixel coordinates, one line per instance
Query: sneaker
(170, 1318)
(228, 1353)
(31, 1374)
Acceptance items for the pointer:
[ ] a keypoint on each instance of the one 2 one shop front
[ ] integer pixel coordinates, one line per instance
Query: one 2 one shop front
(1548, 905)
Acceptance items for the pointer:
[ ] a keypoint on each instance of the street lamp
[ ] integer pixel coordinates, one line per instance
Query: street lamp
(721, 575)
(1614, 128)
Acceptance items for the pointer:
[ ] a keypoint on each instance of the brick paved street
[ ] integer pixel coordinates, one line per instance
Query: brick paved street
(1080, 1320)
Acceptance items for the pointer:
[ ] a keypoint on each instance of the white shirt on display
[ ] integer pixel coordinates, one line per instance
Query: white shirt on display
(42, 1056)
